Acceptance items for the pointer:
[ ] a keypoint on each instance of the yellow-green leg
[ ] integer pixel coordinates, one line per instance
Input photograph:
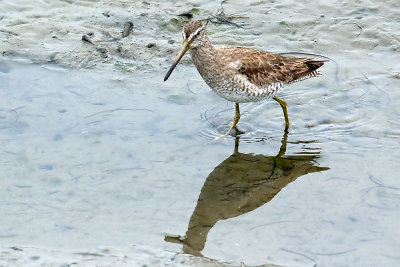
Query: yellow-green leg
(283, 105)
(235, 120)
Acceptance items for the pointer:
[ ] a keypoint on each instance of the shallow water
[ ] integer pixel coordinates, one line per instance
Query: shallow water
(107, 165)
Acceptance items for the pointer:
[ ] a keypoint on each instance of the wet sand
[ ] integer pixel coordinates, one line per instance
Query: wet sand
(51, 31)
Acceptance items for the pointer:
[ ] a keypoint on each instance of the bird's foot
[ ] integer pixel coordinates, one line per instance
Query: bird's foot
(237, 133)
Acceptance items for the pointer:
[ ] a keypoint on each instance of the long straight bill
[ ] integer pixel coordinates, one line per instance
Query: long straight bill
(184, 49)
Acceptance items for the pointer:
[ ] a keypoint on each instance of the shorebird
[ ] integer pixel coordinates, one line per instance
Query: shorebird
(241, 74)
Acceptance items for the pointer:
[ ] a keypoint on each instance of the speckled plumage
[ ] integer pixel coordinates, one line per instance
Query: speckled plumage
(241, 74)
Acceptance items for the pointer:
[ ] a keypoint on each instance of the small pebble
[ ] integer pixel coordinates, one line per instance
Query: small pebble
(128, 26)
(86, 38)
(150, 45)
(186, 15)
(103, 52)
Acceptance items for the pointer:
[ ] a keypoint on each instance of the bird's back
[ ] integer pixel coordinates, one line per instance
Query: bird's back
(265, 68)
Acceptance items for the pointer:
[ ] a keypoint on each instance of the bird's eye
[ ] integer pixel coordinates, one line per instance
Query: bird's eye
(198, 33)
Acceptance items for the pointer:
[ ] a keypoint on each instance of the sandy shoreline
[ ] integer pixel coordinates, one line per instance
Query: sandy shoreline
(105, 256)
(51, 31)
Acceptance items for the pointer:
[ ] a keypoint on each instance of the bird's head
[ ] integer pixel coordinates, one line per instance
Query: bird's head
(193, 34)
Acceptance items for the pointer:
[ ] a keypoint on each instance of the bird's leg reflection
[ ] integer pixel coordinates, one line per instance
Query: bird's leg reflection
(240, 184)
(282, 150)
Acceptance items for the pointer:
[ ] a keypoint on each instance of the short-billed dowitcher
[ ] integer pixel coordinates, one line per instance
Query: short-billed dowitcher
(241, 74)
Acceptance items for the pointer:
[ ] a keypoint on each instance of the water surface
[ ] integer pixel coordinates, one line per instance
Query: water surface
(109, 165)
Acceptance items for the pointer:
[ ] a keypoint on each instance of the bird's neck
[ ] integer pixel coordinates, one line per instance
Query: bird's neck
(204, 56)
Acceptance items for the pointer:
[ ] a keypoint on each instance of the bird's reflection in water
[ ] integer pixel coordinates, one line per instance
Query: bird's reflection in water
(242, 183)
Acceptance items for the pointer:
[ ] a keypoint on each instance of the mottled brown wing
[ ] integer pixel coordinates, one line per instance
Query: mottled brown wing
(264, 68)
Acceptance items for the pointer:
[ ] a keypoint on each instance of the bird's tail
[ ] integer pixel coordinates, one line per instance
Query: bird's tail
(309, 70)
(314, 64)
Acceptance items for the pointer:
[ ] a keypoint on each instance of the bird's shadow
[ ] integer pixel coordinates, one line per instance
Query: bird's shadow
(240, 184)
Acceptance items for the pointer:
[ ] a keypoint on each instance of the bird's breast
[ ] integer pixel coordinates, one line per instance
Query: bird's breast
(222, 76)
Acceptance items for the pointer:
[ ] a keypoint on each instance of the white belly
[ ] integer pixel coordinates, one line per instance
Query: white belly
(240, 90)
